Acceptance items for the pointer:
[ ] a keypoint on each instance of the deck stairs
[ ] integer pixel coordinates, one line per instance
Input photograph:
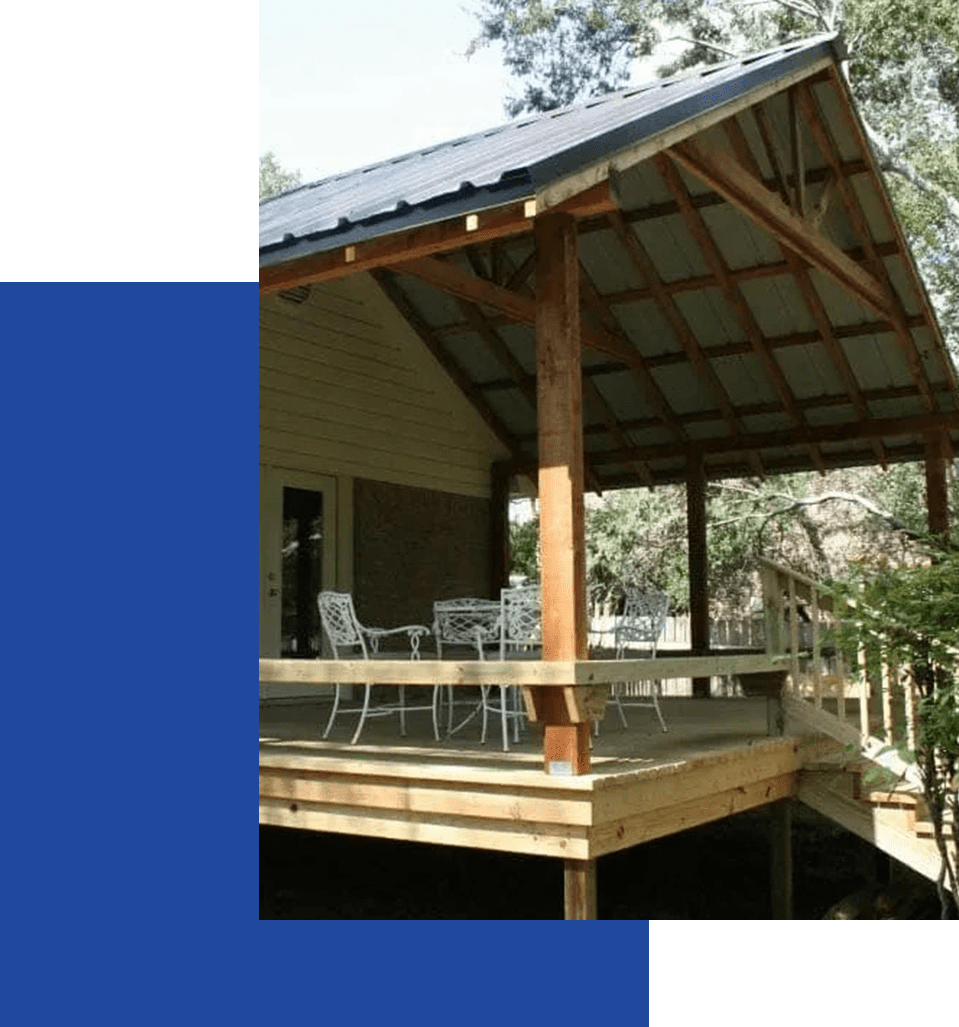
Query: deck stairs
(843, 712)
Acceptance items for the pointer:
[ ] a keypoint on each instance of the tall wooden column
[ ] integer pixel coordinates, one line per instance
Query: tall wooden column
(698, 575)
(559, 415)
(937, 493)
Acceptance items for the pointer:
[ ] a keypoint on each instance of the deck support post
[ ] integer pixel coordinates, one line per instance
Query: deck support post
(781, 859)
(579, 888)
(698, 576)
(559, 416)
(937, 493)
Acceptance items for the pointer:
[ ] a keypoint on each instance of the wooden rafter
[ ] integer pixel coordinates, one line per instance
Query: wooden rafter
(667, 208)
(746, 410)
(804, 283)
(780, 176)
(637, 365)
(394, 292)
(522, 309)
(646, 269)
(766, 209)
(733, 296)
(775, 269)
(848, 432)
(441, 237)
(897, 315)
(855, 129)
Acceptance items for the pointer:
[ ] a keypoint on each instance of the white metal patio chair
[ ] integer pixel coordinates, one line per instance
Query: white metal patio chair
(458, 624)
(640, 626)
(349, 639)
(520, 635)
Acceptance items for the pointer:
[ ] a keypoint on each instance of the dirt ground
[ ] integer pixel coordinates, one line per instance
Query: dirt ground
(718, 871)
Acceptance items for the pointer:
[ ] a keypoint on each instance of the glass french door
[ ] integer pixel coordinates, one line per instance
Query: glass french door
(298, 559)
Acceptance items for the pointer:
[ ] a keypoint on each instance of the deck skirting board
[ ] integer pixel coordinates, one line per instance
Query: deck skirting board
(416, 797)
(475, 833)
(627, 831)
(523, 811)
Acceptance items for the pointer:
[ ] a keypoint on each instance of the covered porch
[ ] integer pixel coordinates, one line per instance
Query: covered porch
(695, 280)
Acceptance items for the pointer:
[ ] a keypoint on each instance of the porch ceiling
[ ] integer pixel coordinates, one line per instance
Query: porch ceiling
(746, 291)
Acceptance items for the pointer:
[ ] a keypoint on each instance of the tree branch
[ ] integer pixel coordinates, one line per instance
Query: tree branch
(895, 164)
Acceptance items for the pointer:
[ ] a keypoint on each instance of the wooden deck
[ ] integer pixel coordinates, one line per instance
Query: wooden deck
(716, 759)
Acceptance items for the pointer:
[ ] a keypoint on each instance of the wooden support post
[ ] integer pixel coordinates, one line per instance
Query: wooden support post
(499, 529)
(781, 859)
(579, 884)
(937, 493)
(698, 576)
(559, 415)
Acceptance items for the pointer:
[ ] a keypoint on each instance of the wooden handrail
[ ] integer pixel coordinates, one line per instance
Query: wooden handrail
(528, 673)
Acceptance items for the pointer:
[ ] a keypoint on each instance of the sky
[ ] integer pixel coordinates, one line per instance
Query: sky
(344, 84)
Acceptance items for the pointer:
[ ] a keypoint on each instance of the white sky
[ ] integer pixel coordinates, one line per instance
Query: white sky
(343, 84)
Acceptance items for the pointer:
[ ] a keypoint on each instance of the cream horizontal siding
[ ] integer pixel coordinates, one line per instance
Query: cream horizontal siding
(347, 388)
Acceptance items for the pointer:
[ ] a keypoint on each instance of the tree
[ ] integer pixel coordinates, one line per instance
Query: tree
(915, 612)
(903, 70)
(273, 178)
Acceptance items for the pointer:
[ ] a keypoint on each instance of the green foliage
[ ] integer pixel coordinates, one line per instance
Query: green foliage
(273, 178)
(915, 612)
(562, 51)
(524, 548)
(641, 536)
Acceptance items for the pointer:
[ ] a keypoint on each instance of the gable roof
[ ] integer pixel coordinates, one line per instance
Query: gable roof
(746, 290)
(511, 161)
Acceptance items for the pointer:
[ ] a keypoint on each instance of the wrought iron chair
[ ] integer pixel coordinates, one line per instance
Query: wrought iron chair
(349, 639)
(520, 634)
(641, 625)
(467, 623)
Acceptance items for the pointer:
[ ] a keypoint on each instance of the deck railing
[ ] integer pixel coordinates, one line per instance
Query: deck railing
(803, 622)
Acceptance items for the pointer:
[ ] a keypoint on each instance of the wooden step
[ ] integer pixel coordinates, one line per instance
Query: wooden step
(891, 829)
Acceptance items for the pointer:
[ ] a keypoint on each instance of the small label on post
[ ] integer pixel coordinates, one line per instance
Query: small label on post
(561, 768)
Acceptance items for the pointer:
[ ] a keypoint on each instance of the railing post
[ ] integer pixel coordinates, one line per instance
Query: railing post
(863, 664)
(773, 611)
(816, 652)
(888, 725)
(794, 635)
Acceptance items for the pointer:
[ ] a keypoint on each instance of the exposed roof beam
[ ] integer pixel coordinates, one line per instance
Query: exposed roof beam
(457, 282)
(856, 131)
(897, 315)
(848, 432)
(646, 269)
(667, 208)
(748, 410)
(732, 294)
(780, 268)
(766, 209)
(814, 304)
(440, 237)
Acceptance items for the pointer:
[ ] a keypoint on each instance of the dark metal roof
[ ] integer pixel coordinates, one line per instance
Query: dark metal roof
(508, 162)
(747, 295)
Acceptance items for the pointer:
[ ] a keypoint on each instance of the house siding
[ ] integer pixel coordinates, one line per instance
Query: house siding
(347, 389)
